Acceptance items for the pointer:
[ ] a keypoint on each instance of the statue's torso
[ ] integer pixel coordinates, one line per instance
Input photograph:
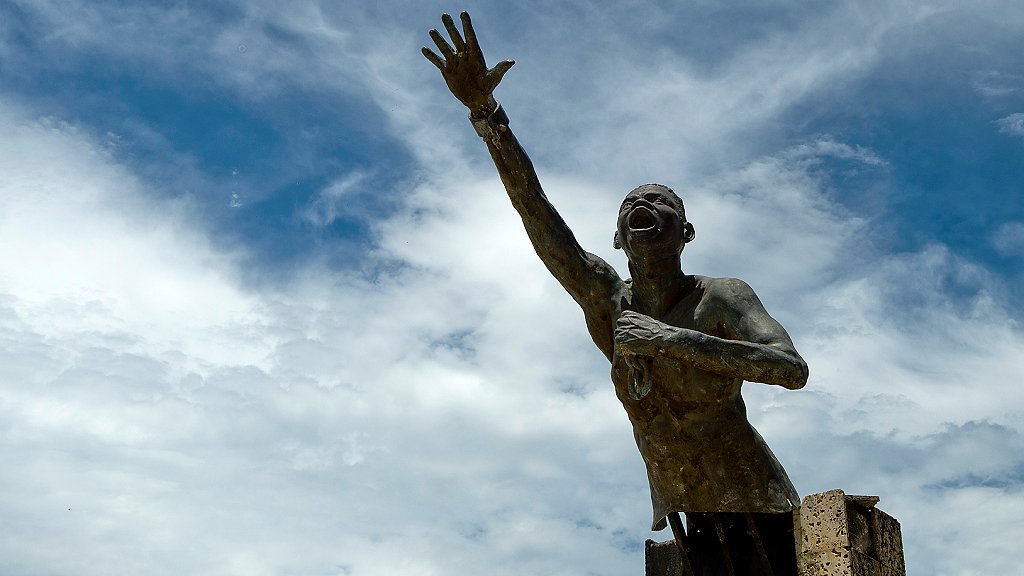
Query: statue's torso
(702, 454)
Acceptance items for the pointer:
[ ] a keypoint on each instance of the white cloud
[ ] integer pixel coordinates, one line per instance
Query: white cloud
(328, 424)
(1008, 239)
(77, 237)
(325, 207)
(995, 84)
(827, 147)
(1012, 124)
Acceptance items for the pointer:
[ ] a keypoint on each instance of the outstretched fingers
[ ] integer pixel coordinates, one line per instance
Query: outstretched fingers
(462, 64)
(467, 29)
(434, 58)
(442, 45)
(453, 32)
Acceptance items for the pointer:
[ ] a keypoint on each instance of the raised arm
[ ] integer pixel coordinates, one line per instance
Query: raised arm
(586, 277)
(756, 347)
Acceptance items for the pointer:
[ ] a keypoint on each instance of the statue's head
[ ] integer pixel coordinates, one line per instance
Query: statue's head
(652, 224)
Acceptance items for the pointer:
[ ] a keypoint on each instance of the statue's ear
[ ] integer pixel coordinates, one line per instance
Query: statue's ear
(688, 232)
(615, 241)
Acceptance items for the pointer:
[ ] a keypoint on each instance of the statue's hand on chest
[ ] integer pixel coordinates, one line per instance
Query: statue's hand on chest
(639, 334)
(637, 340)
(640, 339)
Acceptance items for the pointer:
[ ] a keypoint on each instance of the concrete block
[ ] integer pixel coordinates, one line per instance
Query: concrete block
(842, 535)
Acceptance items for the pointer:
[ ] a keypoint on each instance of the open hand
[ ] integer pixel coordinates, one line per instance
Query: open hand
(463, 66)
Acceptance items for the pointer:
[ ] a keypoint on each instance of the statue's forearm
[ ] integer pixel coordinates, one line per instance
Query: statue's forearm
(747, 360)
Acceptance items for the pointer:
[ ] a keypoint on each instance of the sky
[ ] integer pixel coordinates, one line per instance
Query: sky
(265, 308)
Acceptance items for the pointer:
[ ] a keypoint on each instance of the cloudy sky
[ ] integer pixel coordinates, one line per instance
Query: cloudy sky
(265, 307)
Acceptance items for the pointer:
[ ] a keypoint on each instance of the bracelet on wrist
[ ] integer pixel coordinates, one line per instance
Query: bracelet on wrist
(491, 126)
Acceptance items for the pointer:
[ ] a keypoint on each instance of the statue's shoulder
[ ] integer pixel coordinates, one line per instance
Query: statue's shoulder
(721, 284)
(724, 290)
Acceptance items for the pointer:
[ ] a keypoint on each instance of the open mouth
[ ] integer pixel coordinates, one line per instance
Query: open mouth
(641, 219)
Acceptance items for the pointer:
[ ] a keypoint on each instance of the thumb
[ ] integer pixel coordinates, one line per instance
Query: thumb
(495, 74)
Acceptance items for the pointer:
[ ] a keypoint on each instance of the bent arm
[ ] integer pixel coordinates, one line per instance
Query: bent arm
(752, 346)
(773, 363)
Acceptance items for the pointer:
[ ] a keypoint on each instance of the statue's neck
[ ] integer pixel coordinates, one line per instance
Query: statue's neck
(658, 286)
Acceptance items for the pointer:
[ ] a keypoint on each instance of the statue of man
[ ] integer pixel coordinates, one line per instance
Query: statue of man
(680, 345)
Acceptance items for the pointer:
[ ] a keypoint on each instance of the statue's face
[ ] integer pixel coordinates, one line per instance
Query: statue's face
(651, 223)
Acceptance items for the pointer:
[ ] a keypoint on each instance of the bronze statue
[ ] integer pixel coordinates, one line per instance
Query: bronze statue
(680, 345)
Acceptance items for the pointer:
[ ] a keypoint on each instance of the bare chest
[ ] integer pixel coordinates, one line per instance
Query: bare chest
(677, 385)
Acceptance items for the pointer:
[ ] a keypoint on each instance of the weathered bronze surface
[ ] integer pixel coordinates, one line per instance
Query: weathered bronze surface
(680, 345)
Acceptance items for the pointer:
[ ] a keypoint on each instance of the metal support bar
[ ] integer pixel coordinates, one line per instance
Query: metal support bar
(680, 536)
(720, 532)
(755, 535)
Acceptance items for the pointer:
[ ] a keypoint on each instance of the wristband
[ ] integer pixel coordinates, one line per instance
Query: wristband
(490, 127)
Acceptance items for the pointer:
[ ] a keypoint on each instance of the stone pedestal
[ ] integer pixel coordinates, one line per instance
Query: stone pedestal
(841, 535)
(662, 559)
(835, 535)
